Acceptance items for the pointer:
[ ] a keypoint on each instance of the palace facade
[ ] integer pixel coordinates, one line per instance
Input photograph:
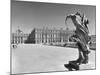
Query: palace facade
(42, 35)
(51, 36)
(18, 37)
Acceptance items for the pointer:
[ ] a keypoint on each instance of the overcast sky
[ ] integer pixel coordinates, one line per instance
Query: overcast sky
(28, 15)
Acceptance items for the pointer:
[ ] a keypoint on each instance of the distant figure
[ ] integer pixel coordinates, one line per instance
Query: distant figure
(81, 36)
(14, 45)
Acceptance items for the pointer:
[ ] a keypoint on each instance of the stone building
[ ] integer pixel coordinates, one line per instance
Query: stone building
(93, 42)
(49, 36)
(41, 36)
(18, 37)
(93, 38)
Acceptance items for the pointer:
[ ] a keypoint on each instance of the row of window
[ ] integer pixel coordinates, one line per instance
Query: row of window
(49, 41)
(47, 31)
(50, 36)
(17, 41)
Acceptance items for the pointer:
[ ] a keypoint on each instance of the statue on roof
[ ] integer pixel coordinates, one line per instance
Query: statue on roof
(18, 31)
